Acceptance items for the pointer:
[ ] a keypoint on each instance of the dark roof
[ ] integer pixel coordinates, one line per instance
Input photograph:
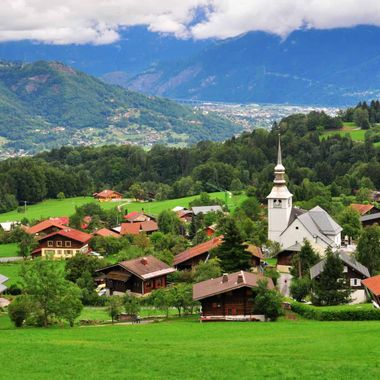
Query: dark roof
(144, 267)
(368, 217)
(197, 250)
(254, 250)
(216, 286)
(317, 269)
(373, 284)
(294, 213)
(293, 248)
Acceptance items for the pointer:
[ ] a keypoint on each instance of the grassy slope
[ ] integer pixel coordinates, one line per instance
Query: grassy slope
(348, 128)
(8, 250)
(187, 349)
(66, 207)
(11, 270)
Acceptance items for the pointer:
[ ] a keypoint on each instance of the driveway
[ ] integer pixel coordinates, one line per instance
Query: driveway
(283, 284)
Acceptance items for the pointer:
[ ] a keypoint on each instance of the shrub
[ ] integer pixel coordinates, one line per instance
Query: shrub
(300, 288)
(267, 301)
(19, 310)
(340, 314)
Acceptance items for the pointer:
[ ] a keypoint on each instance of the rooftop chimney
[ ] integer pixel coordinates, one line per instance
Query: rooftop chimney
(225, 277)
(144, 261)
(240, 278)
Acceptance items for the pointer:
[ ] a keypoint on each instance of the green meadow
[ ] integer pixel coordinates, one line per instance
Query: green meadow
(348, 129)
(8, 250)
(186, 349)
(66, 207)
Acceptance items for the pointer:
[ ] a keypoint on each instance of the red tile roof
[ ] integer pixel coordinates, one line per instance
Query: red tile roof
(105, 232)
(361, 208)
(136, 228)
(373, 284)
(71, 233)
(135, 217)
(144, 267)
(227, 283)
(61, 219)
(197, 250)
(42, 226)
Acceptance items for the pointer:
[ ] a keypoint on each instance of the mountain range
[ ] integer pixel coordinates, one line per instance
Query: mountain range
(47, 104)
(325, 67)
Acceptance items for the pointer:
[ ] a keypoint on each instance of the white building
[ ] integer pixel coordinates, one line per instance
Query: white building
(290, 225)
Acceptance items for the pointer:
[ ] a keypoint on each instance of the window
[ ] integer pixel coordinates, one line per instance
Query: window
(148, 284)
(67, 252)
(158, 282)
(297, 227)
(59, 243)
(68, 243)
(49, 252)
(355, 282)
(277, 203)
(345, 269)
(59, 252)
(50, 243)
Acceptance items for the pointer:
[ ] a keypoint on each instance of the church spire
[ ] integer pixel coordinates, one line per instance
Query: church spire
(279, 170)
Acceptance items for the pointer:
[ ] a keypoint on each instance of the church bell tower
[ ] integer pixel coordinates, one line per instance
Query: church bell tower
(279, 201)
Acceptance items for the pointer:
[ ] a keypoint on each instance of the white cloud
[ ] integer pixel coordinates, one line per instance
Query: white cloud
(99, 21)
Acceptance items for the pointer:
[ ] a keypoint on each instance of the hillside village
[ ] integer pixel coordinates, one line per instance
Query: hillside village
(195, 258)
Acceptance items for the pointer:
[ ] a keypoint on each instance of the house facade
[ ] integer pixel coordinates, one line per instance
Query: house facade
(229, 297)
(108, 195)
(63, 244)
(139, 276)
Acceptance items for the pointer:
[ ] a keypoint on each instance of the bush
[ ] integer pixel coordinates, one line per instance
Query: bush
(19, 310)
(14, 290)
(340, 314)
(300, 288)
(267, 301)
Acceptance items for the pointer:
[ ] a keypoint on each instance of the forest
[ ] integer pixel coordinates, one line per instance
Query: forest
(318, 168)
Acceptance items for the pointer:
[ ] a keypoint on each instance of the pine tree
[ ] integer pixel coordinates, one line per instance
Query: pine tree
(304, 260)
(232, 252)
(330, 288)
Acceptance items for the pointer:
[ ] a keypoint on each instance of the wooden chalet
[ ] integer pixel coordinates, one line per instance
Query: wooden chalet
(257, 255)
(148, 227)
(105, 232)
(185, 215)
(108, 195)
(46, 227)
(140, 276)
(353, 275)
(63, 244)
(192, 256)
(370, 219)
(229, 297)
(285, 257)
(138, 217)
(372, 286)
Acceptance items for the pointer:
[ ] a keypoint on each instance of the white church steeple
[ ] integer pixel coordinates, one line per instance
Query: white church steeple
(279, 201)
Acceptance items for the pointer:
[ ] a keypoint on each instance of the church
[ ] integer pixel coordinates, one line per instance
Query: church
(289, 225)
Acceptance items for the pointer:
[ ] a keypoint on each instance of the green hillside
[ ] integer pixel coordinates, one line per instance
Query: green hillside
(48, 104)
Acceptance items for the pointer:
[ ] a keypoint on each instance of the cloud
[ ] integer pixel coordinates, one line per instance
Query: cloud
(100, 21)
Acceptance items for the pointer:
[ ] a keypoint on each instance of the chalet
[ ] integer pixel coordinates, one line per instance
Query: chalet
(185, 215)
(206, 209)
(105, 232)
(192, 256)
(63, 244)
(229, 297)
(138, 217)
(46, 227)
(148, 227)
(257, 255)
(364, 209)
(285, 257)
(3, 279)
(372, 286)
(370, 219)
(353, 271)
(108, 195)
(140, 276)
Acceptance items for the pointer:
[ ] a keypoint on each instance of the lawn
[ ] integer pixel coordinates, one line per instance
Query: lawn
(11, 270)
(8, 250)
(186, 349)
(66, 207)
(348, 128)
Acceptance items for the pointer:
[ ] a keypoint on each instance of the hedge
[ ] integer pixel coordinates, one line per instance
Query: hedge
(340, 314)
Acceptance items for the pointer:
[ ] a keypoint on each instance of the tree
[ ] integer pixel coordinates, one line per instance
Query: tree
(368, 249)
(267, 301)
(206, 270)
(181, 297)
(350, 222)
(161, 299)
(45, 284)
(19, 310)
(329, 288)
(137, 191)
(361, 118)
(70, 304)
(232, 252)
(168, 222)
(77, 265)
(251, 207)
(131, 304)
(61, 195)
(363, 195)
(26, 245)
(304, 260)
(300, 288)
(114, 307)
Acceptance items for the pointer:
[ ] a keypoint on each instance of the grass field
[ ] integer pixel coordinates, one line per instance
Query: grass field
(187, 349)
(8, 250)
(66, 207)
(11, 270)
(348, 128)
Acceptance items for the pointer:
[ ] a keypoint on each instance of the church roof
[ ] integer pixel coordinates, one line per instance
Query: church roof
(326, 224)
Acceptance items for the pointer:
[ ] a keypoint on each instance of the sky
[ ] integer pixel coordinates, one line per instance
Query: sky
(101, 21)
